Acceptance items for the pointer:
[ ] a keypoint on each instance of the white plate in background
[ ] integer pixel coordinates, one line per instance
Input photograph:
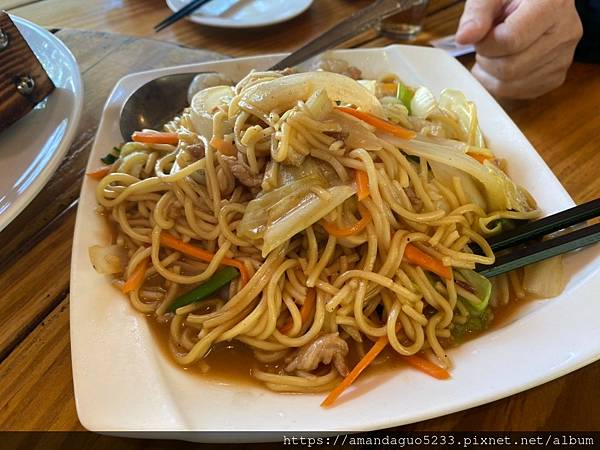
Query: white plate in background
(32, 148)
(124, 383)
(243, 13)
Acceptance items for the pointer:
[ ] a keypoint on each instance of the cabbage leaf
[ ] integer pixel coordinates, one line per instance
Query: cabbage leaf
(501, 192)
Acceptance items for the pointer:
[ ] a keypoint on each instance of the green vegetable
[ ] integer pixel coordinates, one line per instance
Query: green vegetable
(474, 324)
(423, 103)
(405, 95)
(480, 314)
(507, 224)
(482, 287)
(219, 279)
(111, 157)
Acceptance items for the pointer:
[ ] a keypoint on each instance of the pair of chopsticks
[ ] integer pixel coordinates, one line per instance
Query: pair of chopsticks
(185, 11)
(523, 245)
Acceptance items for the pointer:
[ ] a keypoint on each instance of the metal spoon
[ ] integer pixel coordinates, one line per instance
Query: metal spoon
(155, 103)
(159, 100)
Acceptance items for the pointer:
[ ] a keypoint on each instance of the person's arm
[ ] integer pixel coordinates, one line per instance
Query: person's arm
(524, 47)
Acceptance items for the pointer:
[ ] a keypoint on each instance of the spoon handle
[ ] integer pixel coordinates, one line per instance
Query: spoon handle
(357, 23)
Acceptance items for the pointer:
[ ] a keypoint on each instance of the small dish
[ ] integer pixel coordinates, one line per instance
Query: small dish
(32, 148)
(243, 13)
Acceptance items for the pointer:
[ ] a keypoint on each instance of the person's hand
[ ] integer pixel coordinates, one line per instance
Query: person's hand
(524, 47)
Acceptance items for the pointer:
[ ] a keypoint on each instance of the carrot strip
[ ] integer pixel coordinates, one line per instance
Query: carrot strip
(381, 124)
(155, 137)
(418, 362)
(358, 226)
(362, 184)
(305, 311)
(223, 146)
(366, 360)
(414, 255)
(389, 88)
(478, 156)
(136, 278)
(99, 173)
(168, 240)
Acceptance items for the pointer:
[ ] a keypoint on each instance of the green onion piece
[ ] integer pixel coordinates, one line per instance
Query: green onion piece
(111, 157)
(405, 95)
(480, 315)
(483, 290)
(219, 279)
(474, 324)
(413, 158)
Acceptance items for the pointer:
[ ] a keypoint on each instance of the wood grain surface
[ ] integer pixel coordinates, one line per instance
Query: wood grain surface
(36, 392)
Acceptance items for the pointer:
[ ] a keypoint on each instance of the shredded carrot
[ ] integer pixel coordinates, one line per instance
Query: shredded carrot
(389, 88)
(418, 362)
(168, 240)
(154, 137)
(223, 146)
(422, 259)
(478, 156)
(305, 311)
(362, 184)
(136, 278)
(366, 360)
(358, 226)
(99, 173)
(381, 124)
(415, 360)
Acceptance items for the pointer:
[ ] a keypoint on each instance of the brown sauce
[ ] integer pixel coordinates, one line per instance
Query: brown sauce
(503, 316)
(232, 362)
(507, 313)
(229, 362)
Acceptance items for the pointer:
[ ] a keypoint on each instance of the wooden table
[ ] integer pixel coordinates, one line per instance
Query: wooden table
(36, 392)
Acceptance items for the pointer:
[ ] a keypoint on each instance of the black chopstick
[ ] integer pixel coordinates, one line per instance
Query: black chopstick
(535, 251)
(550, 224)
(186, 10)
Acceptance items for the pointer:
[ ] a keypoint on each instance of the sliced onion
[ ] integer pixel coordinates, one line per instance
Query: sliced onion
(501, 192)
(319, 105)
(309, 210)
(107, 260)
(204, 105)
(276, 216)
(422, 103)
(370, 85)
(206, 80)
(445, 173)
(456, 104)
(546, 278)
(255, 218)
(283, 93)
(357, 132)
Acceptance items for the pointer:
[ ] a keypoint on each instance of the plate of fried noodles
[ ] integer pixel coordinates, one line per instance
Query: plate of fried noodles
(298, 251)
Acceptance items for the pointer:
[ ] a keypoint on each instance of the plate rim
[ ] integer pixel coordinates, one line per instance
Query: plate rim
(390, 422)
(31, 192)
(216, 22)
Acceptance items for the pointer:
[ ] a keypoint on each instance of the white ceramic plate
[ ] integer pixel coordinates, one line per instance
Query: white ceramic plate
(31, 149)
(243, 13)
(123, 382)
